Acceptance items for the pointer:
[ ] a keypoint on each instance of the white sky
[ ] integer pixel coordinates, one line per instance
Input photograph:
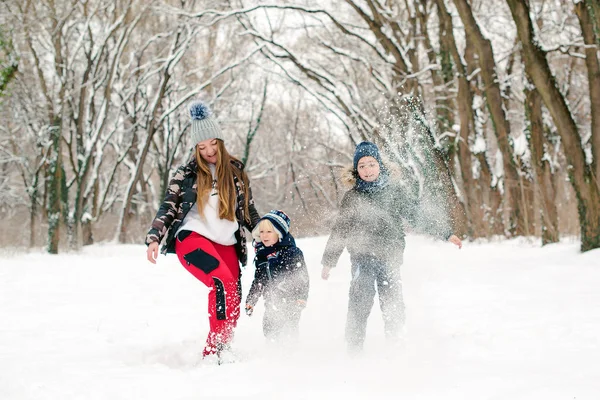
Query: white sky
(506, 320)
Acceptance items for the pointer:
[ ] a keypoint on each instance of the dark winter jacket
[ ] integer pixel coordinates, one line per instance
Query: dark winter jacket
(372, 223)
(281, 274)
(181, 197)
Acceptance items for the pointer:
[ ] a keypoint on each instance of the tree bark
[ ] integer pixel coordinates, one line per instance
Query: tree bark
(593, 7)
(444, 121)
(541, 167)
(580, 174)
(473, 200)
(494, 102)
(86, 223)
(489, 191)
(55, 195)
(441, 182)
(593, 73)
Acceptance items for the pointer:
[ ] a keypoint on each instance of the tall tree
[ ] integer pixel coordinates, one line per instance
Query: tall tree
(593, 75)
(580, 173)
(494, 101)
(56, 208)
(473, 200)
(52, 85)
(541, 163)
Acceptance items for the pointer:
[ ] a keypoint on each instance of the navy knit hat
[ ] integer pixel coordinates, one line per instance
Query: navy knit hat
(366, 149)
(280, 221)
(204, 124)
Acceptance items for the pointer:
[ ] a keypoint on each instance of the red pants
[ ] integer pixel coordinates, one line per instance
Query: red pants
(224, 283)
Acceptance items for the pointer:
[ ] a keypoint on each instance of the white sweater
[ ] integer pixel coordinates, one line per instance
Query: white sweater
(221, 231)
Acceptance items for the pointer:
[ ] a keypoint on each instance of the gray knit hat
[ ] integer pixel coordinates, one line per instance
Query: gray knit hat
(204, 125)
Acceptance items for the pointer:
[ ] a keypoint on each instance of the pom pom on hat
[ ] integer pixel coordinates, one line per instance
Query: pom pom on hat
(204, 125)
(199, 110)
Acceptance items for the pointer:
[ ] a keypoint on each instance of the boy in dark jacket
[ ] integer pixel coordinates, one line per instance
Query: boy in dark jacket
(370, 226)
(281, 276)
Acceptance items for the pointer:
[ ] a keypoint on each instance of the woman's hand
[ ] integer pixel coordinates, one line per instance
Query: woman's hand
(325, 273)
(455, 240)
(152, 252)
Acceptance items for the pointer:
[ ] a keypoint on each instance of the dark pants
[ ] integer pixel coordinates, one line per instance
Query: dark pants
(368, 272)
(281, 320)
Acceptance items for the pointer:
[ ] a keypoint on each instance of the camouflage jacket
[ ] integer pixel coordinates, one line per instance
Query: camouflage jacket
(181, 197)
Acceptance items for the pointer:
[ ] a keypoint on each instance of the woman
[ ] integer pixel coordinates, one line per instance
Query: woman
(207, 204)
(370, 226)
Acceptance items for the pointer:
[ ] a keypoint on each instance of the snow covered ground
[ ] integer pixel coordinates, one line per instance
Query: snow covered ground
(505, 320)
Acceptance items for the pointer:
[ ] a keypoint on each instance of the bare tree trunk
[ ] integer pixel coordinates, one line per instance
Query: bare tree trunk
(442, 77)
(87, 232)
(55, 211)
(526, 200)
(593, 73)
(542, 168)
(489, 192)
(491, 200)
(472, 196)
(33, 210)
(581, 175)
(125, 210)
(74, 219)
(443, 176)
(594, 11)
(456, 209)
(494, 102)
(444, 122)
(252, 130)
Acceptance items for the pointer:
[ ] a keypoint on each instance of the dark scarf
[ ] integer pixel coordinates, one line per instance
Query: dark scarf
(274, 251)
(373, 187)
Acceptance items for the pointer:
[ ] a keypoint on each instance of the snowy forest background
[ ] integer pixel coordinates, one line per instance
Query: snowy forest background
(486, 104)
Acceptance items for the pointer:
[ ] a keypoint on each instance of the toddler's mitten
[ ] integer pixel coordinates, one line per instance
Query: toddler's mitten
(249, 309)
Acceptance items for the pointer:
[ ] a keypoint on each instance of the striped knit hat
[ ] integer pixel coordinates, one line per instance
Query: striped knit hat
(280, 221)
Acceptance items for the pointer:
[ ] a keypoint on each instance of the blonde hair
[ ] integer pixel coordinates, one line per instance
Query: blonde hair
(225, 172)
(264, 224)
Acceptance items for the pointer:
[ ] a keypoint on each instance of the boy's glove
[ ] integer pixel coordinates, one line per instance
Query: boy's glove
(249, 310)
